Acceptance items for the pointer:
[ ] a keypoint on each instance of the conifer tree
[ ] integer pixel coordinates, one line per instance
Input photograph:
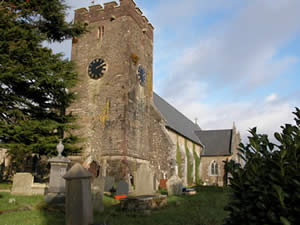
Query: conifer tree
(34, 82)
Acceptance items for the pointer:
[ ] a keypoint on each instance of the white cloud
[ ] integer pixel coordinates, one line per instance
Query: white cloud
(246, 114)
(271, 98)
(244, 50)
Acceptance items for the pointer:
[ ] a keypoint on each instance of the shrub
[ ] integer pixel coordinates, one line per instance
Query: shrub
(267, 189)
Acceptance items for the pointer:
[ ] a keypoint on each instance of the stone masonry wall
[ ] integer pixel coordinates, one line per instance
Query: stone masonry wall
(206, 177)
(176, 138)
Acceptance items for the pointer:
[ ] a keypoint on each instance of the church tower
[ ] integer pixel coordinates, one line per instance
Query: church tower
(115, 107)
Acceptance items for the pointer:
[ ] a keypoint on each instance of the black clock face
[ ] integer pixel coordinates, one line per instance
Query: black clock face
(141, 75)
(97, 68)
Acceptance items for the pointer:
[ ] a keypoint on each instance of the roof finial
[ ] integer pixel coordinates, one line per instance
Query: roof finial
(196, 120)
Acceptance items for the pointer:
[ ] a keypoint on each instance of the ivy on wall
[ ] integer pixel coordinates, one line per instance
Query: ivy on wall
(197, 162)
(189, 164)
(178, 159)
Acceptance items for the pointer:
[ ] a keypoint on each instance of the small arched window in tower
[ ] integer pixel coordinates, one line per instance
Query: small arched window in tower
(214, 170)
(100, 34)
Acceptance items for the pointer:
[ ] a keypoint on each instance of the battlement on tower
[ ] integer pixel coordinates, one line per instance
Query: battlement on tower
(112, 11)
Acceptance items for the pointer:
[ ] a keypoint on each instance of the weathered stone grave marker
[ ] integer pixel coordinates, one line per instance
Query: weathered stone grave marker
(57, 185)
(174, 185)
(122, 188)
(78, 196)
(22, 183)
(144, 180)
(109, 183)
(97, 193)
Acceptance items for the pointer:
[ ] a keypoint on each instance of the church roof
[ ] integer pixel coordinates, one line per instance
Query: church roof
(176, 120)
(216, 142)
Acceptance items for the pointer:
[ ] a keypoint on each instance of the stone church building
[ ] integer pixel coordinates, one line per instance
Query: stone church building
(124, 123)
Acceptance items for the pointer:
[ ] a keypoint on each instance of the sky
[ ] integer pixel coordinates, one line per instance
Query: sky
(223, 62)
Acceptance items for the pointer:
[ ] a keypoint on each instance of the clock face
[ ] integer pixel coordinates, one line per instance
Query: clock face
(97, 68)
(141, 75)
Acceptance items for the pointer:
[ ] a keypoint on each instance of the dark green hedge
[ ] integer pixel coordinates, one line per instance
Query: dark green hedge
(267, 189)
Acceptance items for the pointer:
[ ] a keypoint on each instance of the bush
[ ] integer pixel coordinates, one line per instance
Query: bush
(267, 189)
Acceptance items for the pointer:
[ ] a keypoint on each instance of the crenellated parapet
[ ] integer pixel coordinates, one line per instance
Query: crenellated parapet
(112, 11)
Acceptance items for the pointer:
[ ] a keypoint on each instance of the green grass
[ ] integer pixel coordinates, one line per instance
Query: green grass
(35, 211)
(5, 185)
(205, 208)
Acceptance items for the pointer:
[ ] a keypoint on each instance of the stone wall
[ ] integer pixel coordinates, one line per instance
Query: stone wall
(205, 170)
(183, 143)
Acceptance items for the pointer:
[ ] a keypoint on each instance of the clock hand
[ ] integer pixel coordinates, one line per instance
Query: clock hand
(97, 67)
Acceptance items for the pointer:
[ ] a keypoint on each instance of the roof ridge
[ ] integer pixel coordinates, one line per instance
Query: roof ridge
(177, 110)
(215, 130)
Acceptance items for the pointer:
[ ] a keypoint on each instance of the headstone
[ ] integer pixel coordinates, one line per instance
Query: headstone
(79, 209)
(122, 188)
(109, 183)
(22, 184)
(57, 185)
(174, 185)
(97, 193)
(58, 169)
(144, 180)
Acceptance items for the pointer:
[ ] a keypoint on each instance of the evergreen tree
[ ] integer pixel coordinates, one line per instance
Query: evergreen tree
(34, 82)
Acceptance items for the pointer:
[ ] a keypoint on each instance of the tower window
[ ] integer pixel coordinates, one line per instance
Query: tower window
(100, 33)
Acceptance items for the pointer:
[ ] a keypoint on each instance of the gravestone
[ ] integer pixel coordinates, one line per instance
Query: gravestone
(78, 205)
(174, 185)
(109, 183)
(144, 180)
(97, 193)
(58, 169)
(57, 185)
(122, 188)
(22, 184)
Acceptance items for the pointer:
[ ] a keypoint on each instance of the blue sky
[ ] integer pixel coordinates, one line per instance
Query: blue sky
(224, 61)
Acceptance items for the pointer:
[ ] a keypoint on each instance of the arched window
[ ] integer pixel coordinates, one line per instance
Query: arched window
(214, 170)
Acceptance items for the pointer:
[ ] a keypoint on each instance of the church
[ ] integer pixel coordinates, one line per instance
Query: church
(125, 124)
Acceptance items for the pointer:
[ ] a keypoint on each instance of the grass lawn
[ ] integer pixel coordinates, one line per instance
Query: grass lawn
(5, 185)
(205, 208)
(27, 210)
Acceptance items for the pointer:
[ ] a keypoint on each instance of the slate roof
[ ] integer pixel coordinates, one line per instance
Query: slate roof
(216, 142)
(176, 120)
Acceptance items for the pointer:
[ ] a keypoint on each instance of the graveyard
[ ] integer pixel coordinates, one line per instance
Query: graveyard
(205, 208)
(74, 196)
